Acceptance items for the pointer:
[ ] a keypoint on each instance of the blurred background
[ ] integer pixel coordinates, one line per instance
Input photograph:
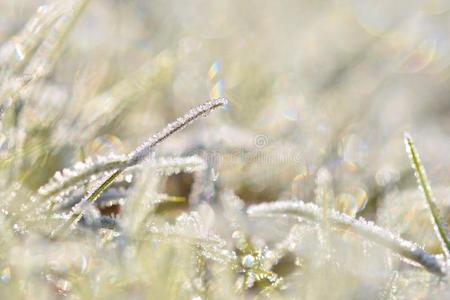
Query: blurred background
(312, 85)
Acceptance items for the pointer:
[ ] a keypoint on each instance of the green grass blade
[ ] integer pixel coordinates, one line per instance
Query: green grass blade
(424, 186)
(91, 197)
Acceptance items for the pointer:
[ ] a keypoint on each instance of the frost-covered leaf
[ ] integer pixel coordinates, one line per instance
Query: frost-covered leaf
(361, 227)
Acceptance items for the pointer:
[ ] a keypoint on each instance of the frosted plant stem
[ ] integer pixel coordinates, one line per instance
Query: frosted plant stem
(69, 177)
(82, 171)
(424, 185)
(51, 189)
(361, 227)
(144, 150)
(90, 198)
(139, 155)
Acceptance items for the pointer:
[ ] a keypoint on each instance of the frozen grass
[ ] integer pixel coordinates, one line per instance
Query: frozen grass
(360, 227)
(195, 215)
(136, 157)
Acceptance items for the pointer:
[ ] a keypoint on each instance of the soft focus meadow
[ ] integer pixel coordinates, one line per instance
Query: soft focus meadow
(162, 149)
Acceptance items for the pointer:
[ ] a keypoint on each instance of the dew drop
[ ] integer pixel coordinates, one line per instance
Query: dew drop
(248, 261)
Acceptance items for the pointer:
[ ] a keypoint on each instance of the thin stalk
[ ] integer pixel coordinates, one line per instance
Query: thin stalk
(424, 185)
(90, 198)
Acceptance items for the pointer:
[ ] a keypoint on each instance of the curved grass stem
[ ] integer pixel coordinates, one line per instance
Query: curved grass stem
(361, 227)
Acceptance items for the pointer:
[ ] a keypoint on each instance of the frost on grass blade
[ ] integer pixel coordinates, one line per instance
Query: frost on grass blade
(81, 172)
(167, 166)
(143, 151)
(71, 178)
(79, 209)
(139, 155)
(361, 227)
(424, 185)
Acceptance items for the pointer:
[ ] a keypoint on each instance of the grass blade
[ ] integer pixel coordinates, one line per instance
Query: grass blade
(361, 227)
(424, 185)
(77, 211)
(139, 155)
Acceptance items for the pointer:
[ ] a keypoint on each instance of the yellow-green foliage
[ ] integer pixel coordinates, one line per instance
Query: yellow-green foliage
(296, 188)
